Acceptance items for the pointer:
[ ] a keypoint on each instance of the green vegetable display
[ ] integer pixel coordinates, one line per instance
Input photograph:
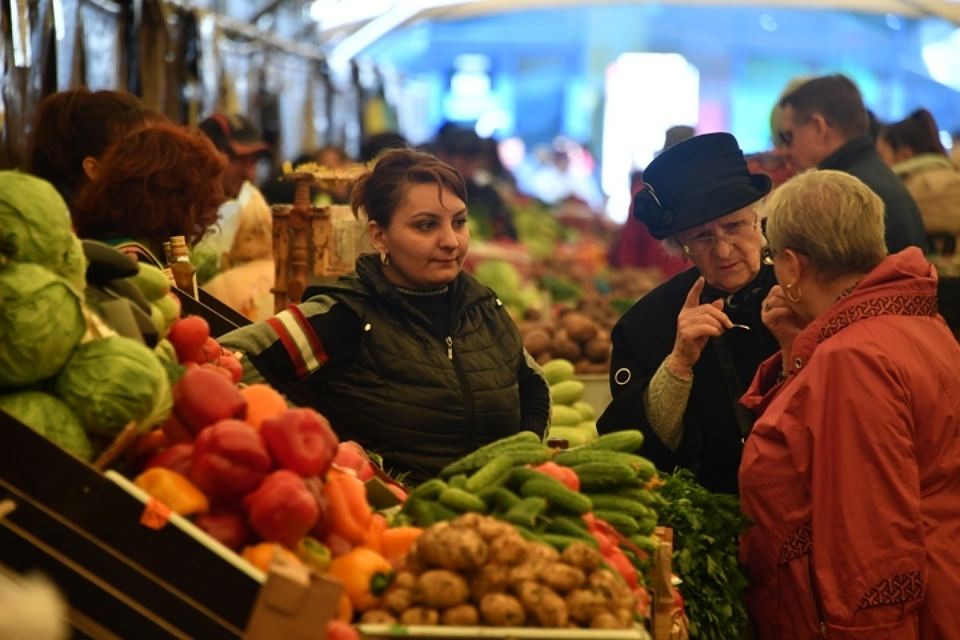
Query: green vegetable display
(41, 322)
(706, 529)
(49, 417)
(111, 381)
(35, 227)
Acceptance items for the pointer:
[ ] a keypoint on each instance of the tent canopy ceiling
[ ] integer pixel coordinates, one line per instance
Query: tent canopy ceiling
(361, 24)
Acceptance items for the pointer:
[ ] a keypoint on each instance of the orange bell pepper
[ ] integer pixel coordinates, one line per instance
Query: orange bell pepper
(350, 513)
(262, 555)
(373, 540)
(173, 490)
(365, 575)
(396, 542)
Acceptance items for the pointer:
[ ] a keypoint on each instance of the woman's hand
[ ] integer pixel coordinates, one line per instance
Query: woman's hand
(780, 319)
(696, 324)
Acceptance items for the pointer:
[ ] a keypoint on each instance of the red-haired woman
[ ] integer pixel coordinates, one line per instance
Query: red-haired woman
(151, 184)
(72, 129)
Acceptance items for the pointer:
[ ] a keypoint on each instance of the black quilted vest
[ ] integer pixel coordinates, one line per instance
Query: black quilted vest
(418, 398)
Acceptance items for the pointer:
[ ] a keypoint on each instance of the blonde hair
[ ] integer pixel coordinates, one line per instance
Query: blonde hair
(832, 218)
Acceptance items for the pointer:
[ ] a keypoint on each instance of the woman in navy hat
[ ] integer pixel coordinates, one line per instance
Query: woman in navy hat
(684, 354)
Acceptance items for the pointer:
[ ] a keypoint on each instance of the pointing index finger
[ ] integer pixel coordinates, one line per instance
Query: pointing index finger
(693, 296)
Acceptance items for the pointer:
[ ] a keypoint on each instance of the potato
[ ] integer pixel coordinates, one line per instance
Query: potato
(578, 326)
(453, 548)
(462, 615)
(605, 620)
(562, 577)
(584, 605)
(501, 610)
(536, 341)
(543, 605)
(491, 529)
(419, 615)
(377, 616)
(508, 550)
(404, 579)
(564, 347)
(540, 552)
(613, 587)
(398, 600)
(582, 556)
(625, 617)
(492, 578)
(526, 572)
(441, 589)
(597, 349)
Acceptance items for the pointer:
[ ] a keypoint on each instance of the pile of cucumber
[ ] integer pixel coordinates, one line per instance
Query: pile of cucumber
(498, 479)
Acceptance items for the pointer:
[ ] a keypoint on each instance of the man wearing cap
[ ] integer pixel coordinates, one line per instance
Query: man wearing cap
(236, 137)
(824, 124)
(683, 354)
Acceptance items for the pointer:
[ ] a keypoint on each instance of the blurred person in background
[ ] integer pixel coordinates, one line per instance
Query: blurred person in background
(151, 184)
(634, 246)
(242, 146)
(912, 148)
(490, 216)
(824, 124)
(410, 356)
(379, 142)
(72, 129)
(851, 475)
(684, 354)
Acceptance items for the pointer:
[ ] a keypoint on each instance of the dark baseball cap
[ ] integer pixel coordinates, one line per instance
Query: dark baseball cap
(234, 134)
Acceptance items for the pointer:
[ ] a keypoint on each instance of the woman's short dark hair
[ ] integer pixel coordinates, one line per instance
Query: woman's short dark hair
(72, 125)
(153, 183)
(835, 97)
(917, 132)
(382, 191)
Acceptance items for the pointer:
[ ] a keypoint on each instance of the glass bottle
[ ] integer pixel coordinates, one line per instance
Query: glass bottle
(184, 273)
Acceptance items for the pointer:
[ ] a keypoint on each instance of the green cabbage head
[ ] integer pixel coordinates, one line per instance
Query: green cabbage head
(35, 227)
(41, 322)
(49, 417)
(111, 381)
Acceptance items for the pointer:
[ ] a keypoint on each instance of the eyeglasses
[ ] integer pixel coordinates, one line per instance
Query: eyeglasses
(730, 232)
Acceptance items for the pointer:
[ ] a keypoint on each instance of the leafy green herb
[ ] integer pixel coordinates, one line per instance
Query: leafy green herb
(706, 529)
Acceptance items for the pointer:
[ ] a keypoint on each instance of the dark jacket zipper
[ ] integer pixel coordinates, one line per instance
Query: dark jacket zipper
(816, 598)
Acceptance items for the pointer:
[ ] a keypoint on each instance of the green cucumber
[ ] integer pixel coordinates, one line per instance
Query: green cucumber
(428, 512)
(619, 521)
(584, 455)
(429, 490)
(526, 512)
(489, 473)
(626, 441)
(597, 476)
(462, 501)
(568, 526)
(458, 481)
(556, 494)
(622, 504)
(561, 542)
(521, 448)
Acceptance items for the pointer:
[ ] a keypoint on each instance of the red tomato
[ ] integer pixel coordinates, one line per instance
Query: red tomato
(566, 475)
(211, 350)
(188, 335)
(337, 630)
(351, 455)
(230, 363)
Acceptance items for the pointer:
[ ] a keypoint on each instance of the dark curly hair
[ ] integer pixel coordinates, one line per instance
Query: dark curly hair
(153, 183)
(380, 192)
(71, 125)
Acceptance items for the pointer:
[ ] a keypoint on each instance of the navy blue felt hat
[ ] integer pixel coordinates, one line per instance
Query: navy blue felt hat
(696, 181)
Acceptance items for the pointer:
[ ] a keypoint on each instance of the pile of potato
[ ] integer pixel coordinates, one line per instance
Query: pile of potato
(477, 570)
(574, 337)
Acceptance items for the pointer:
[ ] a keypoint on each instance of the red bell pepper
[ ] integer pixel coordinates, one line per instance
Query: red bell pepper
(176, 458)
(350, 513)
(566, 475)
(203, 397)
(300, 440)
(227, 528)
(621, 563)
(229, 459)
(282, 509)
(351, 455)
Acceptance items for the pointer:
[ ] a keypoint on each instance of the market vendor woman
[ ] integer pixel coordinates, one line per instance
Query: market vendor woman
(683, 354)
(409, 356)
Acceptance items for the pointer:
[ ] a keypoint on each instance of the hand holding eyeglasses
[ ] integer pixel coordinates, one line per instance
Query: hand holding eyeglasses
(696, 324)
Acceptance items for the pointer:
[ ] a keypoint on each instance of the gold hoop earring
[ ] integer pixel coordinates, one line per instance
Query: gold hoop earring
(385, 259)
(791, 298)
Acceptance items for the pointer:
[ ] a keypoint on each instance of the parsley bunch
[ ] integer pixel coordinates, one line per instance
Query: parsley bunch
(706, 535)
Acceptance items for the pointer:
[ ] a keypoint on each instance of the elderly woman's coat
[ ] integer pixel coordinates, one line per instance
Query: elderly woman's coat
(852, 473)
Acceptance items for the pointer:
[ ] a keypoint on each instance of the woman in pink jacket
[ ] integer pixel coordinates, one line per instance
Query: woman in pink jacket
(851, 475)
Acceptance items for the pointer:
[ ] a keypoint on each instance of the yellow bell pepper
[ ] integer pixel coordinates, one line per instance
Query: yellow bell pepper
(173, 490)
(365, 575)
